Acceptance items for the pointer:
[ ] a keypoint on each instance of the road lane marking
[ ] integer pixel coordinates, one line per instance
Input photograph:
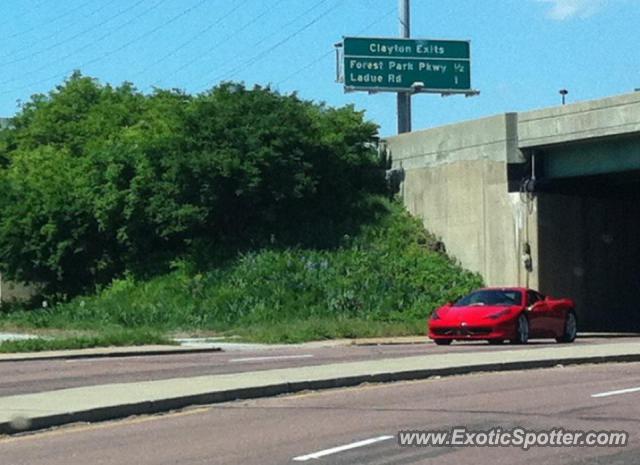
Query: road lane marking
(615, 393)
(335, 450)
(274, 357)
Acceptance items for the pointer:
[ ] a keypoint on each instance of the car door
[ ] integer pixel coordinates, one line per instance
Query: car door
(538, 314)
(556, 315)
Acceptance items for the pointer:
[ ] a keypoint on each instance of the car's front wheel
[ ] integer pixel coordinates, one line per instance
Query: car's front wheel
(522, 330)
(442, 342)
(570, 328)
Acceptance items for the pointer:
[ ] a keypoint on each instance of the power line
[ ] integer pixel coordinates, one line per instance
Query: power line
(85, 46)
(286, 25)
(122, 47)
(75, 36)
(282, 42)
(226, 39)
(332, 51)
(304, 13)
(148, 33)
(307, 66)
(53, 20)
(55, 33)
(264, 53)
(33, 7)
(193, 38)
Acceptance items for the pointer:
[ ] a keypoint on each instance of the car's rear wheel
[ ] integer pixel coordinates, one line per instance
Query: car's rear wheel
(442, 342)
(570, 328)
(522, 330)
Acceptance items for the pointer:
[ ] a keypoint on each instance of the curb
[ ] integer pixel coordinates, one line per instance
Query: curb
(417, 339)
(22, 425)
(129, 353)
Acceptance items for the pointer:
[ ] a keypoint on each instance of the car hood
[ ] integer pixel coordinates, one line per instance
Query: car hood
(471, 314)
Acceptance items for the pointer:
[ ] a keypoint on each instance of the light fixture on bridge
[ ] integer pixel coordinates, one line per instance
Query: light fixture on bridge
(564, 93)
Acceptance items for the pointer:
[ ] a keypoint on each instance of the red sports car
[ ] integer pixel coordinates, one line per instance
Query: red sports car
(497, 314)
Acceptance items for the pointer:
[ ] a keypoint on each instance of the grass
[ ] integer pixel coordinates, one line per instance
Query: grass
(383, 280)
(110, 338)
(314, 329)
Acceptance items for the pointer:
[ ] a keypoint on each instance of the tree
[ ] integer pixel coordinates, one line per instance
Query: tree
(100, 180)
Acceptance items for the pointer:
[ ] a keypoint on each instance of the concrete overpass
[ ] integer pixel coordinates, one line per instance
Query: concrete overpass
(547, 198)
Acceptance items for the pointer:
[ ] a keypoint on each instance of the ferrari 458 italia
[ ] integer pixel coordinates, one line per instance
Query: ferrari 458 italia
(498, 314)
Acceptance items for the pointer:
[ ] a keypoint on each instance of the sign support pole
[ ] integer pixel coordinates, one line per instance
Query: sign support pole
(404, 98)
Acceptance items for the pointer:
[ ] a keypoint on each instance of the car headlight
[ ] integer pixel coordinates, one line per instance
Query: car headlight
(435, 316)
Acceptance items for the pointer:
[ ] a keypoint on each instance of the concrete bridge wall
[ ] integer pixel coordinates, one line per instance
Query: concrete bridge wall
(456, 181)
(612, 117)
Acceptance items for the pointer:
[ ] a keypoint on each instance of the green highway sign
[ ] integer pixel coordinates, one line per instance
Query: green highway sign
(406, 65)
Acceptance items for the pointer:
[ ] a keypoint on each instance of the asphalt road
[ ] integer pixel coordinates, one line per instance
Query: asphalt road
(332, 423)
(46, 375)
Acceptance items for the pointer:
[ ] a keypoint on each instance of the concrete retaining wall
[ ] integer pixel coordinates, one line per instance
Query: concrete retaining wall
(456, 182)
(11, 291)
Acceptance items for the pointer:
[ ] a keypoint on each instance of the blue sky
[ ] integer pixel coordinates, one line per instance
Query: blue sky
(523, 51)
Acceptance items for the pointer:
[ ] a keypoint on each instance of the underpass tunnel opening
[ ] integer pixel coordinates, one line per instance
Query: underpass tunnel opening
(588, 216)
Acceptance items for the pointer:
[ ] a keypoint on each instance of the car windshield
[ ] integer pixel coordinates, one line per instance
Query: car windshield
(491, 297)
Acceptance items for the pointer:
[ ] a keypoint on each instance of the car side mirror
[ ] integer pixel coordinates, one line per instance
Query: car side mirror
(534, 306)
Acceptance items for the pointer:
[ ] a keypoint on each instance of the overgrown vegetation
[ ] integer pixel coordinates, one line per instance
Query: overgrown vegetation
(385, 280)
(99, 181)
(236, 211)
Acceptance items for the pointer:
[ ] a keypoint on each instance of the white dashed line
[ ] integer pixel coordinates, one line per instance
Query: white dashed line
(616, 393)
(335, 450)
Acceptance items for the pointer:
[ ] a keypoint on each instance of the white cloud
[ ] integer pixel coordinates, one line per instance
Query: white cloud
(566, 9)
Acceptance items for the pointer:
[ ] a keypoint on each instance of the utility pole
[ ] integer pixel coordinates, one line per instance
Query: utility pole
(404, 98)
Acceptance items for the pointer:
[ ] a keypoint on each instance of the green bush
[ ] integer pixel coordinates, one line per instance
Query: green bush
(99, 181)
(385, 279)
